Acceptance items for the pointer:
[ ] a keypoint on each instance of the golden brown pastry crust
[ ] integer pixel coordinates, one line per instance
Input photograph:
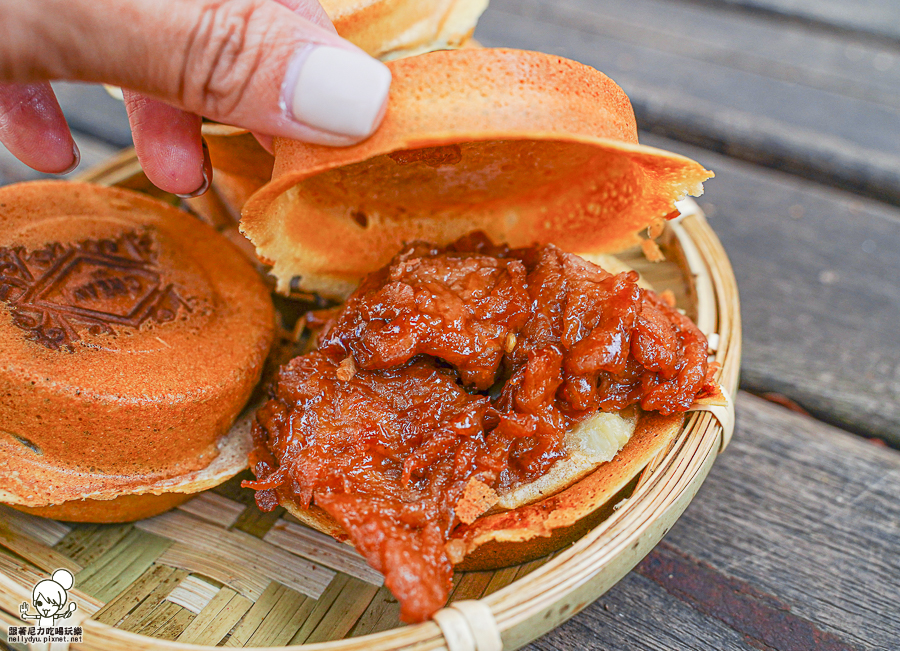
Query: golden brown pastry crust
(497, 540)
(126, 508)
(132, 337)
(526, 146)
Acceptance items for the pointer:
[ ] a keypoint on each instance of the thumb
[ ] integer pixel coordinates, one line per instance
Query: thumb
(258, 64)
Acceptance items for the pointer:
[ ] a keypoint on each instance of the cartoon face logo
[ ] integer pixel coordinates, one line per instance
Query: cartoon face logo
(49, 600)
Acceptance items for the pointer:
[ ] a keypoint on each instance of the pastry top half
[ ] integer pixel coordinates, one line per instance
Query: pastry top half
(527, 147)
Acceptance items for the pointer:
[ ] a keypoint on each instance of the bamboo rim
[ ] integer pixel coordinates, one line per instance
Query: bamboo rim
(541, 600)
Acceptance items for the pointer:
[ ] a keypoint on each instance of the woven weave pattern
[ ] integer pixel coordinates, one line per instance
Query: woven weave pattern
(219, 572)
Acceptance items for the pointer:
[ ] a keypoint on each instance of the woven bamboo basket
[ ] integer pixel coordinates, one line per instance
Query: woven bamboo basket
(218, 572)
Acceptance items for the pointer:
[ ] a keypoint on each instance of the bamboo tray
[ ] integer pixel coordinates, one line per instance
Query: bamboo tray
(218, 572)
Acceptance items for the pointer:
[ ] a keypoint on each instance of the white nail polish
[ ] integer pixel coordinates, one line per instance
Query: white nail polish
(337, 90)
(76, 159)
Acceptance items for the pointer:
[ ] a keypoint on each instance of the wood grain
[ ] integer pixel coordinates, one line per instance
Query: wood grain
(797, 524)
(817, 271)
(775, 92)
(869, 18)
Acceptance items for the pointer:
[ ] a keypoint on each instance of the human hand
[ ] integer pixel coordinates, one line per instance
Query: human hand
(276, 67)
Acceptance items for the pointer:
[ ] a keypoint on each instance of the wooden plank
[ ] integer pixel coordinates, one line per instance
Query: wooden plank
(621, 620)
(792, 543)
(732, 41)
(817, 272)
(827, 508)
(711, 81)
(867, 18)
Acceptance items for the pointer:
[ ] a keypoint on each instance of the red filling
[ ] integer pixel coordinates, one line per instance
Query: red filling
(460, 363)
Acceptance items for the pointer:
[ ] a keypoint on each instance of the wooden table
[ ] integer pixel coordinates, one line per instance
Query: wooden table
(794, 541)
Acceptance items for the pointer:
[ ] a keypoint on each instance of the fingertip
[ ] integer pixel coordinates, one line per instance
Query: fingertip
(33, 128)
(175, 167)
(206, 172)
(168, 144)
(57, 155)
(326, 91)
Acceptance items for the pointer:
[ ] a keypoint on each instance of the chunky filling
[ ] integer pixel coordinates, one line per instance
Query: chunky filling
(452, 375)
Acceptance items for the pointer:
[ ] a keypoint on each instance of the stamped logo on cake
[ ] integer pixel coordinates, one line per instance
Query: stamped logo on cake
(61, 291)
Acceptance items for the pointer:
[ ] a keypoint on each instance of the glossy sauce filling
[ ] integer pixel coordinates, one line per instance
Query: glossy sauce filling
(453, 368)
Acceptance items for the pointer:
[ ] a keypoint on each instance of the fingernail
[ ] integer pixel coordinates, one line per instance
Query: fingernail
(205, 170)
(76, 155)
(336, 90)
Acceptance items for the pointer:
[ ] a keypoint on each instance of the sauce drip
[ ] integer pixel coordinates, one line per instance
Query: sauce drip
(460, 364)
